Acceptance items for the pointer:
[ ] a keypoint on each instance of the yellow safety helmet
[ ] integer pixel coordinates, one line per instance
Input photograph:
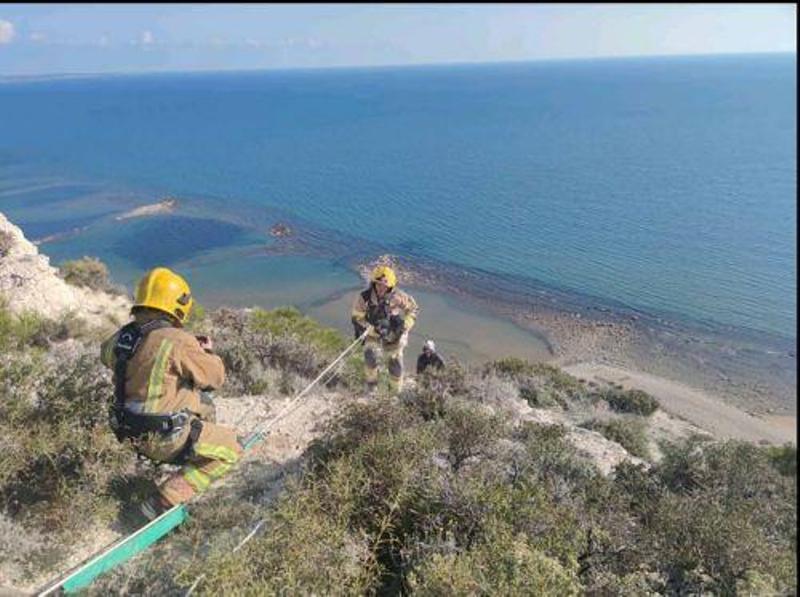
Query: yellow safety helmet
(163, 289)
(386, 272)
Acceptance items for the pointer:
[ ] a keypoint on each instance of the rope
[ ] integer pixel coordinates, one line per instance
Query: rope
(56, 585)
(249, 536)
(303, 392)
(259, 429)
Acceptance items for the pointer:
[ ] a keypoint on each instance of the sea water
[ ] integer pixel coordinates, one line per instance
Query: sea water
(665, 184)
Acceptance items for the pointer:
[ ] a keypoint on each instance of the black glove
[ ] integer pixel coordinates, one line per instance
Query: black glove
(358, 329)
(397, 324)
(383, 327)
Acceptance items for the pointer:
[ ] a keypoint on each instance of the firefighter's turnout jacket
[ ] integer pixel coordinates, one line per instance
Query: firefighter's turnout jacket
(369, 309)
(167, 375)
(384, 313)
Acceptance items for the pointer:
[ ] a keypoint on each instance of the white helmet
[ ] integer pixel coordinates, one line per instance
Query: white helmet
(430, 345)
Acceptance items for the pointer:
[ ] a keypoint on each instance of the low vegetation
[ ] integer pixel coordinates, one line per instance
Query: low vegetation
(276, 350)
(6, 242)
(89, 272)
(30, 331)
(630, 433)
(540, 385)
(60, 469)
(635, 402)
(443, 490)
(394, 500)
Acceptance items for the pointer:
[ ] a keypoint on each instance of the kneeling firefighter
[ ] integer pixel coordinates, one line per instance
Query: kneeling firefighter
(389, 314)
(162, 376)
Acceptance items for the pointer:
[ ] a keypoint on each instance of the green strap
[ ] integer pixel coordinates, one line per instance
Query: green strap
(127, 547)
(119, 552)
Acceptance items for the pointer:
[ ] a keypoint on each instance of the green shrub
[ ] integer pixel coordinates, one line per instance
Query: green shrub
(511, 366)
(87, 272)
(289, 322)
(634, 402)
(19, 331)
(431, 494)
(540, 385)
(6, 242)
(358, 422)
(728, 514)
(276, 348)
(255, 359)
(520, 368)
(551, 460)
(380, 509)
(470, 432)
(633, 584)
(784, 459)
(436, 387)
(349, 373)
(638, 488)
(61, 458)
(739, 468)
(540, 397)
(707, 546)
(303, 550)
(502, 566)
(29, 329)
(629, 433)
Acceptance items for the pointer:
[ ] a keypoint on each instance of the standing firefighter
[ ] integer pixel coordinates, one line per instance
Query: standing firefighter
(161, 378)
(389, 314)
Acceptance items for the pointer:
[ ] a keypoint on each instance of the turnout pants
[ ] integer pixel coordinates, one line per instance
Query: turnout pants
(212, 455)
(374, 350)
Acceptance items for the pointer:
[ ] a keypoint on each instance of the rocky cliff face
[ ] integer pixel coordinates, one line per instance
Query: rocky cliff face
(29, 283)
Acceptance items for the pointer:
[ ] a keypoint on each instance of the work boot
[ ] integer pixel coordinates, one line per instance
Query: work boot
(154, 506)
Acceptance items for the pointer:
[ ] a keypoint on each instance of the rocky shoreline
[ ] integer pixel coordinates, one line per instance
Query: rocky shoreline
(753, 370)
(749, 374)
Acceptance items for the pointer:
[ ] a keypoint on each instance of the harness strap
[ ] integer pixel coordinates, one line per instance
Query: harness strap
(128, 341)
(149, 423)
(188, 448)
(123, 422)
(377, 310)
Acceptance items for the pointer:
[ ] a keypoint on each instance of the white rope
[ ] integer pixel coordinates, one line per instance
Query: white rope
(258, 429)
(254, 530)
(285, 410)
(249, 536)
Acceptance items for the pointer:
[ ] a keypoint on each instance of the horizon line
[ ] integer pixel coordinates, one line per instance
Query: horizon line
(94, 74)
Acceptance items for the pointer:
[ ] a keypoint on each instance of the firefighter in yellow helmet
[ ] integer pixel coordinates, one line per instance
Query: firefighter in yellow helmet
(389, 314)
(162, 376)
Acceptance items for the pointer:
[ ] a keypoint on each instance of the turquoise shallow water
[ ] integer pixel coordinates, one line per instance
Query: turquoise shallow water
(667, 185)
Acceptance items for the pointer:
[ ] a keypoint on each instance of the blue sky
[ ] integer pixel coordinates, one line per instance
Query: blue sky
(82, 38)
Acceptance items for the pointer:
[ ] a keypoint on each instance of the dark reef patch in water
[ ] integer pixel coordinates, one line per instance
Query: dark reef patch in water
(167, 240)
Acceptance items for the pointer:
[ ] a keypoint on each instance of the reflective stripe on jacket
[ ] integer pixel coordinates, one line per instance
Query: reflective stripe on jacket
(168, 371)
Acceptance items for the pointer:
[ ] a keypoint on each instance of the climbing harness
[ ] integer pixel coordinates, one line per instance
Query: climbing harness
(120, 551)
(389, 327)
(125, 423)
